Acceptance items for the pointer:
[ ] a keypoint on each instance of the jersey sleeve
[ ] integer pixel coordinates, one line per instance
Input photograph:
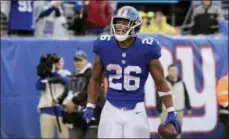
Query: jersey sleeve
(154, 51)
(96, 47)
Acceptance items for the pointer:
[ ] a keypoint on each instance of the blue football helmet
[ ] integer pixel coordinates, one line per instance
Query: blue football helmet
(126, 23)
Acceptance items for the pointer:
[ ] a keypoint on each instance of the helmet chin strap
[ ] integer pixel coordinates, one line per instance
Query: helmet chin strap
(123, 37)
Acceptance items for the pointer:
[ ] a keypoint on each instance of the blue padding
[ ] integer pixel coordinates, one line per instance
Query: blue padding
(20, 56)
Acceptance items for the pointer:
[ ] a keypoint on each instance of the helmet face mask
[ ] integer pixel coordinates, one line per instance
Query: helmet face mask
(121, 25)
(126, 23)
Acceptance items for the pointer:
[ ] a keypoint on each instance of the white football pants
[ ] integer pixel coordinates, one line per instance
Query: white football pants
(119, 123)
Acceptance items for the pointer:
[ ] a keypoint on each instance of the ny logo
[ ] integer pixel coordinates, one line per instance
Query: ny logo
(123, 12)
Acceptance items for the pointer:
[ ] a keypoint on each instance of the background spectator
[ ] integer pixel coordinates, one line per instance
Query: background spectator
(146, 21)
(205, 18)
(99, 16)
(21, 20)
(4, 18)
(159, 25)
(78, 86)
(79, 81)
(79, 23)
(92, 17)
(52, 86)
(50, 19)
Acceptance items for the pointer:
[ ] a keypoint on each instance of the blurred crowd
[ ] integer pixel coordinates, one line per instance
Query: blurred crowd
(87, 17)
(55, 18)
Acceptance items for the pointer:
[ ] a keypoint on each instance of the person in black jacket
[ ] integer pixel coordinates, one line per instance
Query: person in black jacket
(79, 81)
(205, 18)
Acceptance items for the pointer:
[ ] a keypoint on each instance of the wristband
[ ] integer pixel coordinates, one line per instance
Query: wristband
(161, 94)
(171, 109)
(91, 105)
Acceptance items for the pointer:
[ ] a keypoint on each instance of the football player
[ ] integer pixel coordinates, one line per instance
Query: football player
(127, 60)
(20, 10)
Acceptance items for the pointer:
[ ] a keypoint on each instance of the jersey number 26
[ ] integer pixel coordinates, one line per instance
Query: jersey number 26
(129, 83)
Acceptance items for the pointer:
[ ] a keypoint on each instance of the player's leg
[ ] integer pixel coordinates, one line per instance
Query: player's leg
(109, 129)
(64, 129)
(137, 125)
(47, 123)
(108, 126)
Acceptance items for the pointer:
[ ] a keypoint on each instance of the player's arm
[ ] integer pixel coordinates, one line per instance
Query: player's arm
(93, 89)
(164, 92)
(95, 81)
(157, 73)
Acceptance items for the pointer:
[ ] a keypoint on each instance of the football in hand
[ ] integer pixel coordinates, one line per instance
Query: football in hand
(167, 131)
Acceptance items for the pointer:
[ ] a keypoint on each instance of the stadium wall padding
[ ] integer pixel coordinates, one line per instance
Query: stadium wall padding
(19, 57)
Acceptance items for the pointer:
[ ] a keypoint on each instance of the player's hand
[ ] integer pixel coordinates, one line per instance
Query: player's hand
(88, 114)
(172, 118)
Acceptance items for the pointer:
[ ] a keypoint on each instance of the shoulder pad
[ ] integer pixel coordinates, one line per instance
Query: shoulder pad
(102, 39)
(105, 37)
(150, 41)
(152, 47)
(100, 42)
